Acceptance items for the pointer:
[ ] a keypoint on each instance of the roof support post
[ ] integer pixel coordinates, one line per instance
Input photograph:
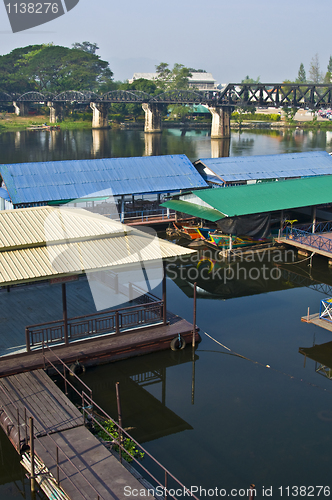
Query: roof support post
(281, 221)
(122, 215)
(314, 214)
(65, 315)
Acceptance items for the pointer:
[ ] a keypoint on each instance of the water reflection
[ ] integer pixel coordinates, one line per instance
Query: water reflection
(219, 279)
(152, 144)
(28, 145)
(143, 388)
(322, 355)
(13, 483)
(99, 142)
(220, 148)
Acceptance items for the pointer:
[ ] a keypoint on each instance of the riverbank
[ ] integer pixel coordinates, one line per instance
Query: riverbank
(11, 122)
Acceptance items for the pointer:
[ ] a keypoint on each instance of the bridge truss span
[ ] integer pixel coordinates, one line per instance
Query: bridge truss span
(313, 96)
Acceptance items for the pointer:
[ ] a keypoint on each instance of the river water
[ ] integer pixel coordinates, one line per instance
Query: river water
(226, 421)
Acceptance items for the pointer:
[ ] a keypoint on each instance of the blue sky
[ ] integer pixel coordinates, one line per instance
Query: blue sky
(229, 39)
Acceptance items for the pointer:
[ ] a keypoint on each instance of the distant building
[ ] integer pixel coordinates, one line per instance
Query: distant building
(200, 81)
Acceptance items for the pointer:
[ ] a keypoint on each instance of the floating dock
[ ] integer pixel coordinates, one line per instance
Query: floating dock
(70, 454)
(106, 348)
(316, 320)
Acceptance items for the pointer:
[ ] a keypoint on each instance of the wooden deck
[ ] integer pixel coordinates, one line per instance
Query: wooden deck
(305, 247)
(87, 468)
(316, 320)
(106, 347)
(41, 397)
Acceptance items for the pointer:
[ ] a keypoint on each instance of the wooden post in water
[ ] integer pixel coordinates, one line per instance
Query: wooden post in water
(65, 315)
(193, 347)
(252, 492)
(194, 322)
(32, 457)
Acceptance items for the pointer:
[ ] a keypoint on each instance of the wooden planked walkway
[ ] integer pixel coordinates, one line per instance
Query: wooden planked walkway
(36, 392)
(316, 320)
(96, 464)
(88, 470)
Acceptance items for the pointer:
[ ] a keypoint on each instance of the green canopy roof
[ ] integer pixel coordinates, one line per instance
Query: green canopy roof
(262, 197)
(195, 210)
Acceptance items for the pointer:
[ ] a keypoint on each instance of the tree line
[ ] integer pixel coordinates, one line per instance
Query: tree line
(316, 75)
(49, 68)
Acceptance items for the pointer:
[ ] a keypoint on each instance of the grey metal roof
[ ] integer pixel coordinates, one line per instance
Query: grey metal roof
(72, 179)
(244, 168)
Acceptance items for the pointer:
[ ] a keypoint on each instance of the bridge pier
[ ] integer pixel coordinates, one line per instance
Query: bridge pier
(21, 108)
(152, 118)
(221, 122)
(56, 112)
(100, 115)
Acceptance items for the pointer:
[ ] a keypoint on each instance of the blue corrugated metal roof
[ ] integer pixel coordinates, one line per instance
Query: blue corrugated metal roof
(4, 194)
(72, 179)
(242, 168)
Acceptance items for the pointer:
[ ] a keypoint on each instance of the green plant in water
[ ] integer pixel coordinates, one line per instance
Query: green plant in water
(129, 445)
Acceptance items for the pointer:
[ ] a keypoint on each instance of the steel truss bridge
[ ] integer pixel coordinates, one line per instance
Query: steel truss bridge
(313, 96)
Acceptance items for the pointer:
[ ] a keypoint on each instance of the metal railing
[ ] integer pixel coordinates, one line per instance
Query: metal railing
(313, 240)
(79, 327)
(320, 227)
(145, 215)
(90, 408)
(22, 421)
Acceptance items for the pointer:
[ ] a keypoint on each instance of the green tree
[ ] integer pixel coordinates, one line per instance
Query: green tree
(329, 66)
(177, 78)
(174, 79)
(52, 68)
(90, 48)
(328, 74)
(247, 79)
(327, 77)
(315, 74)
(14, 69)
(301, 75)
(57, 68)
(290, 112)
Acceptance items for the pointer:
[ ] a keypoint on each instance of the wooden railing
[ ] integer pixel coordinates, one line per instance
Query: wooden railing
(80, 327)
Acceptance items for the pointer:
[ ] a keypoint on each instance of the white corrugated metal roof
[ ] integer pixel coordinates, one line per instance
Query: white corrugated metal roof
(33, 226)
(92, 242)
